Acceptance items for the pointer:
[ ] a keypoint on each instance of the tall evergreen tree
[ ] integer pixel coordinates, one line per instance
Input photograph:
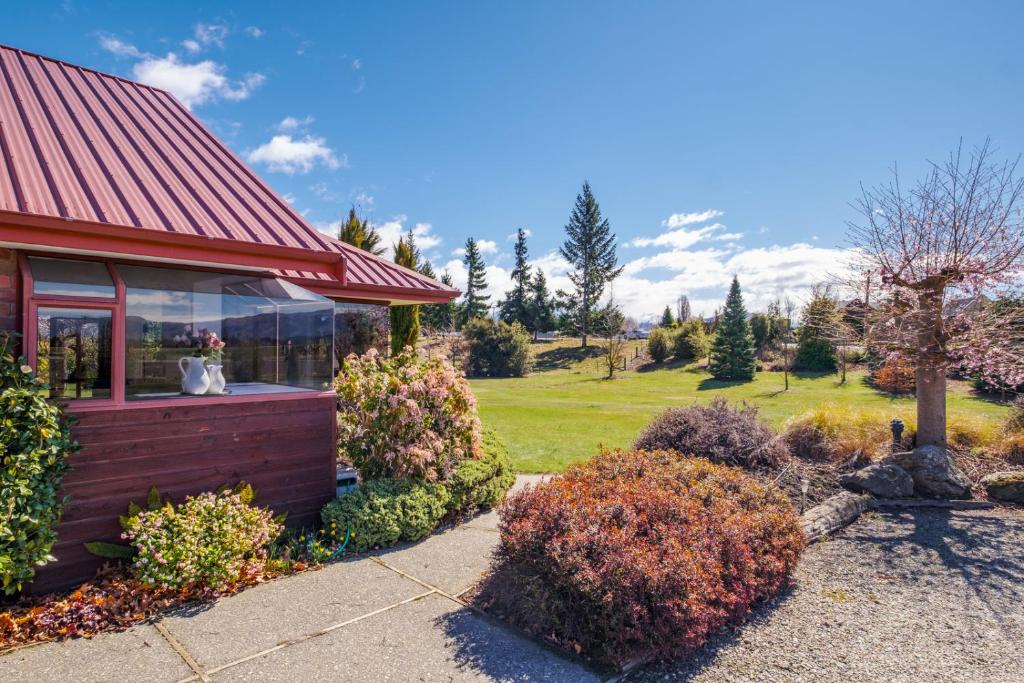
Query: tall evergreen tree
(590, 248)
(666, 318)
(732, 353)
(360, 234)
(474, 301)
(439, 317)
(516, 305)
(405, 320)
(541, 305)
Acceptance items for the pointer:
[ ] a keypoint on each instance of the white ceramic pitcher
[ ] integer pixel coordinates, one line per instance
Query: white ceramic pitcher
(194, 378)
(217, 381)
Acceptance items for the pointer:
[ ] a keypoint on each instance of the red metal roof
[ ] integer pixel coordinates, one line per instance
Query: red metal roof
(83, 151)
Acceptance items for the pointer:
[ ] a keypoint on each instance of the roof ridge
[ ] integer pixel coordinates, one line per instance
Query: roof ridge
(98, 72)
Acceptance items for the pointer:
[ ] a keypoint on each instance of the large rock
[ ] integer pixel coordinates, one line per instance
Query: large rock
(1005, 486)
(934, 474)
(883, 481)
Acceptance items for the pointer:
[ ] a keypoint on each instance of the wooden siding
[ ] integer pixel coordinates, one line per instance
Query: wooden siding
(285, 447)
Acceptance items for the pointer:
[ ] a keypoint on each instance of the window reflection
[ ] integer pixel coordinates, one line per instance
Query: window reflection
(65, 277)
(73, 352)
(359, 327)
(275, 334)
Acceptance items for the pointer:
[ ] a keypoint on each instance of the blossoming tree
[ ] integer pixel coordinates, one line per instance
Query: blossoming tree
(940, 248)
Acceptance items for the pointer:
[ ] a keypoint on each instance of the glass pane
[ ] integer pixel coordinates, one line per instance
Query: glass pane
(73, 352)
(358, 328)
(70, 278)
(261, 334)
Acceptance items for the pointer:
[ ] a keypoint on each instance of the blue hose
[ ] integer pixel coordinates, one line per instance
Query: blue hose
(341, 548)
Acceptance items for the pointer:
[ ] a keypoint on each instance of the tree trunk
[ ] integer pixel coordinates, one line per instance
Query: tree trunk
(930, 373)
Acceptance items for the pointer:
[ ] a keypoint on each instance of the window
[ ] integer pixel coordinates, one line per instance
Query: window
(74, 351)
(360, 327)
(64, 277)
(276, 335)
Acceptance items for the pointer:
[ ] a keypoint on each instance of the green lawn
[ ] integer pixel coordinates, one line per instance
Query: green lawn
(560, 416)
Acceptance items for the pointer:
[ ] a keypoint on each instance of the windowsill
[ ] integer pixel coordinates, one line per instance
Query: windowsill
(248, 393)
(231, 390)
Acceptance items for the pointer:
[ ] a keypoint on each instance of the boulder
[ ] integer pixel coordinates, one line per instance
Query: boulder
(883, 481)
(1005, 486)
(934, 474)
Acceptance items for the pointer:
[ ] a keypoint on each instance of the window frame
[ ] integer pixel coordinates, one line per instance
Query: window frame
(117, 305)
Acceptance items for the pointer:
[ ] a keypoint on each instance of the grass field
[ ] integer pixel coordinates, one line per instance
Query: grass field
(562, 413)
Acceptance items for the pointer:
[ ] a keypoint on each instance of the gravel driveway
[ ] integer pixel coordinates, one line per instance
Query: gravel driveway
(915, 596)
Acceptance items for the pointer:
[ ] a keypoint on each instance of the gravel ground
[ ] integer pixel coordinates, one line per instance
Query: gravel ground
(915, 596)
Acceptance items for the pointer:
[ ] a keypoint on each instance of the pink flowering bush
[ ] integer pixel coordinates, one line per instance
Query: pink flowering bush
(400, 417)
(211, 540)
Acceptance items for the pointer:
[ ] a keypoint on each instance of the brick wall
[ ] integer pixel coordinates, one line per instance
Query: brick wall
(8, 290)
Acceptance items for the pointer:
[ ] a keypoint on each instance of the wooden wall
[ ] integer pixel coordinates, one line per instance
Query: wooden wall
(283, 446)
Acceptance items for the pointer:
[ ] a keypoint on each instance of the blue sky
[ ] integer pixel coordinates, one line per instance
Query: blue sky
(719, 138)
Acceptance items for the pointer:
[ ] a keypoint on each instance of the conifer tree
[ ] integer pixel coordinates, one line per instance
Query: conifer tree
(360, 234)
(666, 318)
(590, 248)
(405, 320)
(541, 305)
(732, 353)
(516, 305)
(474, 301)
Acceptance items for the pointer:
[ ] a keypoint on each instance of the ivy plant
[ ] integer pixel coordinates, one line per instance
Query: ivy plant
(35, 443)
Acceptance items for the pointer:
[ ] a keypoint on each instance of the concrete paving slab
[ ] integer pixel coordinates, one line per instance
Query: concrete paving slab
(452, 560)
(431, 639)
(285, 609)
(139, 654)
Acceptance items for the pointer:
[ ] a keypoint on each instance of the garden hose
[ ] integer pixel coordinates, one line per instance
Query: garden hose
(341, 548)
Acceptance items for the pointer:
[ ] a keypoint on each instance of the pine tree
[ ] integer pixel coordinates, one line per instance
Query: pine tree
(474, 301)
(590, 248)
(405, 320)
(666, 318)
(541, 306)
(515, 307)
(440, 317)
(360, 234)
(732, 353)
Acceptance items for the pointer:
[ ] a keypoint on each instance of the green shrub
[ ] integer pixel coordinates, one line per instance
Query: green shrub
(817, 355)
(691, 342)
(212, 540)
(640, 554)
(35, 442)
(659, 344)
(400, 417)
(496, 349)
(482, 483)
(383, 512)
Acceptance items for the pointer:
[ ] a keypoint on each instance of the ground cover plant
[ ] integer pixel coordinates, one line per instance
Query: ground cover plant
(638, 554)
(35, 443)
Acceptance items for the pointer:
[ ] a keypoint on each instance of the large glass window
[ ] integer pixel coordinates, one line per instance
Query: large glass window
(73, 351)
(64, 277)
(276, 336)
(359, 327)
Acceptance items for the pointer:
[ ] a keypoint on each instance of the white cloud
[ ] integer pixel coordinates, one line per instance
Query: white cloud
(193, 84)
(120, 48)
(680, 238)
(678, 220)
(285, 154)
(191, 45)
(512, 236)
(365, 199)
(211, 34)
(357, 64)
(290, 123)
(391, 231)
(254, 31)
(484, 246)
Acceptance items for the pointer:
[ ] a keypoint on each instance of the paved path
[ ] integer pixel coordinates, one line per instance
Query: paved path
(392, 616)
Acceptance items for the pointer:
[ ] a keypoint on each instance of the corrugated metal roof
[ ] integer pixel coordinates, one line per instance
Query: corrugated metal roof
(80, 145)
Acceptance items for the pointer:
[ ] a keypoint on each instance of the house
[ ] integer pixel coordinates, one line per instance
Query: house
(129, 232)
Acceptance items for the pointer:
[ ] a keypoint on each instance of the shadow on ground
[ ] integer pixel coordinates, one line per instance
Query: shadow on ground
(564, 357)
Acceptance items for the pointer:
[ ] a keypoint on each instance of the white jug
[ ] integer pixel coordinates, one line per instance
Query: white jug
(216, 379)
(194, 379)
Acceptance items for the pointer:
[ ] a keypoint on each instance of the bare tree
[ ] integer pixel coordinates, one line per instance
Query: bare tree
(786, 339)
(957, 233)
(683, 311)
(611, 327)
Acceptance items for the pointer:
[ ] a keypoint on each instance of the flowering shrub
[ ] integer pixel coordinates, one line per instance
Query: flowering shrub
(35, 443)
(716, 431)
(640, 554)
(403, 418)
(213, 539)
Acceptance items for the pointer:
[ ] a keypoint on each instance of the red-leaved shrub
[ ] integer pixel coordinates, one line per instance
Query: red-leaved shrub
(718, 432)
(640, 554)
(895, 376)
